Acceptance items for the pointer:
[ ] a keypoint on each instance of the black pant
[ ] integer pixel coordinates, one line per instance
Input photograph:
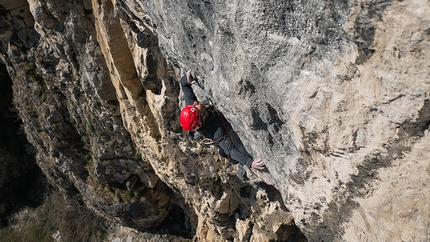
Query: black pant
(222, 153)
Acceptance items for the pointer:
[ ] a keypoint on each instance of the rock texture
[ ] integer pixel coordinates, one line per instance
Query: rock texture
(333, 96)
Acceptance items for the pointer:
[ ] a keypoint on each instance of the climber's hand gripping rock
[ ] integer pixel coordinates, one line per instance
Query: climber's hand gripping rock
(190, 78)
(258, 164)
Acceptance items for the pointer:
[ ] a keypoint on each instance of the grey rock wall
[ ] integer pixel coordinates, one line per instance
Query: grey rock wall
(334, 97)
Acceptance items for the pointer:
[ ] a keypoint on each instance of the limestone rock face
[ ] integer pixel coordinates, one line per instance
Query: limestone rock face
(333, 96)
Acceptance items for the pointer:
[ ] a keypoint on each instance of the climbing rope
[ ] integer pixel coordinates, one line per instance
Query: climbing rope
(231, 139)
(227, 179)
(205, 147)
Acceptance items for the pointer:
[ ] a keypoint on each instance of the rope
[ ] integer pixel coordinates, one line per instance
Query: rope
(270, 186)
(229, 136)
(228, 180)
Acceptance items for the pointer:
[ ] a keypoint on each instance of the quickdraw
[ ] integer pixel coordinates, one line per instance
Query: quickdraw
(206, 141)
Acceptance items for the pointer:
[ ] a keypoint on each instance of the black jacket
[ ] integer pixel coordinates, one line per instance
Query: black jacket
(214, 128)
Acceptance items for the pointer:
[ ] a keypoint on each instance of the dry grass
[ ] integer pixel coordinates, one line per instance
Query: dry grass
(74, 221)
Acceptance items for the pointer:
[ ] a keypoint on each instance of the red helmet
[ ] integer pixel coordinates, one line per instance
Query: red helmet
(190, 118)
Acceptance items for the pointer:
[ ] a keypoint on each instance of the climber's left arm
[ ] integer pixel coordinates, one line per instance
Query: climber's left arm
(189, 95)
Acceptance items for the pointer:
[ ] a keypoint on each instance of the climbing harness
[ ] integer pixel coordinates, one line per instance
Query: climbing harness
(197, 137)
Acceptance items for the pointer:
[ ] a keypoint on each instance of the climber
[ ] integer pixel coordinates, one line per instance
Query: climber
(196, 116)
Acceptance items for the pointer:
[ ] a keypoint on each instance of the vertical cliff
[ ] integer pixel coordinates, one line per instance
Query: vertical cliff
(333, 96)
